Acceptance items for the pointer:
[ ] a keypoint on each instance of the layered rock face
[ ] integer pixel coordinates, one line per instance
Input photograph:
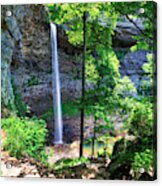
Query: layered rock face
(132, 62)
(10, 35)
(132, 66)
(26, 57)
(26, 33)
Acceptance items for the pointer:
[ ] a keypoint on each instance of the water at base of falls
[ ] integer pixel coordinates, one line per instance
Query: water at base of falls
(58, 124)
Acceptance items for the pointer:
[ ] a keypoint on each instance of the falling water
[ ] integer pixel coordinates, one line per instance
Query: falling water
(56, 88)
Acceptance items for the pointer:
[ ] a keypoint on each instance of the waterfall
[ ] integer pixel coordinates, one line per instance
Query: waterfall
(58, 125)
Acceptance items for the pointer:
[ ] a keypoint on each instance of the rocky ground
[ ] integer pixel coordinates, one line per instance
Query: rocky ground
(28, 167)
(96, 168)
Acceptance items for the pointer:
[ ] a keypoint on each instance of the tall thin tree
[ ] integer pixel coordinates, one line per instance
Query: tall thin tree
(83, 86)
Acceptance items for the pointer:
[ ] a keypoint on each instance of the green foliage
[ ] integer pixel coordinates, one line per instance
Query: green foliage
(125, 87)
(141, 119)
(33, 81)
(142, 160)
(26, 137)
(72, 13)
(149, 67)
(101, 128)
(140, 124)
(137, 153)
(66, 163)
(91, 71)
(21, 109)
(140, 45)
(120, 54)
(70, 108)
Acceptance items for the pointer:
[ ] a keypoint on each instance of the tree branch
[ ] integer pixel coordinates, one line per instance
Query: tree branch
(134, 23)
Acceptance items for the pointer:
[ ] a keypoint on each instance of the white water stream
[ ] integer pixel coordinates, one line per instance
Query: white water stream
(58, 124)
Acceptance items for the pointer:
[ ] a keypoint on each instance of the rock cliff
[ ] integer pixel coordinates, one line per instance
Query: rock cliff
(26, 57)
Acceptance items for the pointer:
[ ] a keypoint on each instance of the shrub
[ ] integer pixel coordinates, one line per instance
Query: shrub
(125, 87)
(25, 137)
(137, 155)
(143, 162)
(140, 121)
(66, 163)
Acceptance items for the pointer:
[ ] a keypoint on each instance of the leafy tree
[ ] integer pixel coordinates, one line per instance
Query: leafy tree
(110, 94)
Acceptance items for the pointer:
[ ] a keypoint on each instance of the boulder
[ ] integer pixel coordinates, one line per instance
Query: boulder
(125, 31)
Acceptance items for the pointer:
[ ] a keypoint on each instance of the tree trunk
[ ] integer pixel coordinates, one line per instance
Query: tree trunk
(83, 87)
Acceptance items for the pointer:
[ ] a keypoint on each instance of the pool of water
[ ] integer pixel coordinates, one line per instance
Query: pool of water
(99, 147)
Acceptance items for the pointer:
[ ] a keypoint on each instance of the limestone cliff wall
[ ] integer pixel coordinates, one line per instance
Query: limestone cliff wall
(25, 48)
(26, 57)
